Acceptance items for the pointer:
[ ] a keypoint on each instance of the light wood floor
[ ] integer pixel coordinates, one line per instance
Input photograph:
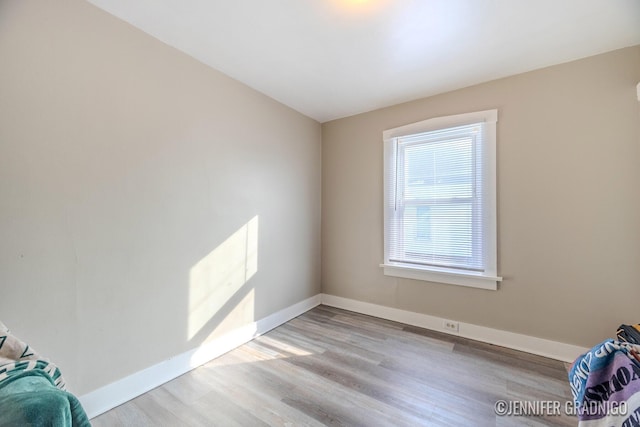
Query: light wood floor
(334, 367)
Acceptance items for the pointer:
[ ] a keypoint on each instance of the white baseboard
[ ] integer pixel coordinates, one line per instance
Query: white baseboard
(540, 346)
(125, 389)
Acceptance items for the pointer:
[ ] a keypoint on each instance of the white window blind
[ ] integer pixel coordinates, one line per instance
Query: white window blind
(440, 200)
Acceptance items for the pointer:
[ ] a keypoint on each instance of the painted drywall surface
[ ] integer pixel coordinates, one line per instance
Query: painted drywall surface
(147, 202)
(568, 203)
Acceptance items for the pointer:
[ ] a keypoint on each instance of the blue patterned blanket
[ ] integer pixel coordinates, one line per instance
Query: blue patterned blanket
(605, 383)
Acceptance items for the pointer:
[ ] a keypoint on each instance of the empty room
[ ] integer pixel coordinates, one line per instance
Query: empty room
(319, 212)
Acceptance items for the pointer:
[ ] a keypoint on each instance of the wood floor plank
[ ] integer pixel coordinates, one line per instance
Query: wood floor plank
(334, 367)
(123, 415)
(178, 408)
(157, 411)
(301, 387)
(334, 343)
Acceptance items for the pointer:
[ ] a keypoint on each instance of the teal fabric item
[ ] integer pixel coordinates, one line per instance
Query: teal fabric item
(30, 398)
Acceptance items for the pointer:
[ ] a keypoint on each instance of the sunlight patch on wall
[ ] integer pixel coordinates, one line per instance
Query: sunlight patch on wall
(215, 279)
(217, 344)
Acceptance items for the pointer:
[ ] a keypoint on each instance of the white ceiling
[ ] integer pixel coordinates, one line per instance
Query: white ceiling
(334, 58)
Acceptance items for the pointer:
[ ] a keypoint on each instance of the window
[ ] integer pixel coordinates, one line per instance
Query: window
(440, 200)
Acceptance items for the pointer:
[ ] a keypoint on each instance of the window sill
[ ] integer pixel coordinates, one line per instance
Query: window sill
(473, 280)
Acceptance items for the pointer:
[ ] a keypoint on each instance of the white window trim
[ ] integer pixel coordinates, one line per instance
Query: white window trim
(489, 278)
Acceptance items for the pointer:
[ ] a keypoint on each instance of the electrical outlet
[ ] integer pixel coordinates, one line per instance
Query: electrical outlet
(451, 326)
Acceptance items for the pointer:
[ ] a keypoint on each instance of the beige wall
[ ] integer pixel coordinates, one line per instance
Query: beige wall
(568, 203)
(137, 188)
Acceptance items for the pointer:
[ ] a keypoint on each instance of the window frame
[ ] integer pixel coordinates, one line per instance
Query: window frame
(486, 279)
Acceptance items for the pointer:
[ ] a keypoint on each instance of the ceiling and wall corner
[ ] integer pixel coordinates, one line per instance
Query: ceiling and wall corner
(335, 58)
